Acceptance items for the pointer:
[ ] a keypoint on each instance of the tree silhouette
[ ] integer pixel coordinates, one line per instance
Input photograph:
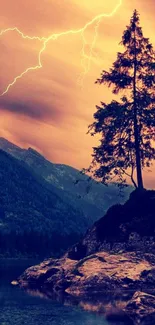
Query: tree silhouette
(127, 127)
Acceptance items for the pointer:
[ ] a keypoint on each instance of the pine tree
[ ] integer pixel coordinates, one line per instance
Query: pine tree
(127, 127)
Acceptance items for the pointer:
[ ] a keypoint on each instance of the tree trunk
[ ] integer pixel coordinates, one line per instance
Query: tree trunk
(137, 152)
(136, 128)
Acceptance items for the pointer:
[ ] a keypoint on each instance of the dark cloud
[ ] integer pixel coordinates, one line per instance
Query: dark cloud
(32, 109)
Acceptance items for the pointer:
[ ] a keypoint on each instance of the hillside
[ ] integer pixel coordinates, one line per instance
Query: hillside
(33, 218)
(91, 197)
(127, 227)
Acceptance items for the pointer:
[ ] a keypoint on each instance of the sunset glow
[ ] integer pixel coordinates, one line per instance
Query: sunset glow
(50, 108)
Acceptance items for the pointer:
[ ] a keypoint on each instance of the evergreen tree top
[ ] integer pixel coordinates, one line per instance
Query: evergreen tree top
(127, 127)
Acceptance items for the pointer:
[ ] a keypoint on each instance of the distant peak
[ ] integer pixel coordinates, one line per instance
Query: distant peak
(4, 142)
(35, 152)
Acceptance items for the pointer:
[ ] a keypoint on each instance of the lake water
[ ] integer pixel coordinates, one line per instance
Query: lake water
(20, 308)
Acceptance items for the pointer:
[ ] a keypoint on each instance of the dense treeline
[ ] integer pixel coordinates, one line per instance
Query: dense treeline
(34, 244)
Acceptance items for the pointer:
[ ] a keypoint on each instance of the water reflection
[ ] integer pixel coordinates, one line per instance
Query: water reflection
(35, 307)
(106, 305)
(19, 308)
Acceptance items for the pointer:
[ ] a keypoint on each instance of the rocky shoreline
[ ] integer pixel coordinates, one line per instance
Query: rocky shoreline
(115, 258)
(100, 274)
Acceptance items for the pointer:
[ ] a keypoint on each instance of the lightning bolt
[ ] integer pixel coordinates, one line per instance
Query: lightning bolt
(85, 60)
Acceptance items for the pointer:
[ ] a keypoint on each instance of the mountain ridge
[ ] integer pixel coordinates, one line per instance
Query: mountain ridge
(93, 197)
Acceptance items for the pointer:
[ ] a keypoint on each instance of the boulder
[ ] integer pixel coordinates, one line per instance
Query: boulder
(141, 308)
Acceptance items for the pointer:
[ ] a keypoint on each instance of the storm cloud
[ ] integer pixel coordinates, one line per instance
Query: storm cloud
(34, 109)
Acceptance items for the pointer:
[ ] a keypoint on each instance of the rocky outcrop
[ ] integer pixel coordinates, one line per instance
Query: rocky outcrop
(128, 227)
(96, 273)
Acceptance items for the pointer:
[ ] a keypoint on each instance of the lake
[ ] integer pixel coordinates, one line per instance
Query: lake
(20, 308)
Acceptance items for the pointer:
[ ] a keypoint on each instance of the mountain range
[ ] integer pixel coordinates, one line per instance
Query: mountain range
(46, 206)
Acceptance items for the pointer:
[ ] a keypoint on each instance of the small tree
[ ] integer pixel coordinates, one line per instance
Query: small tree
(127, 127)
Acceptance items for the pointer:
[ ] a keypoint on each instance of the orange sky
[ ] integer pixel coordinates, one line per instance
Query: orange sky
(47, 109)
